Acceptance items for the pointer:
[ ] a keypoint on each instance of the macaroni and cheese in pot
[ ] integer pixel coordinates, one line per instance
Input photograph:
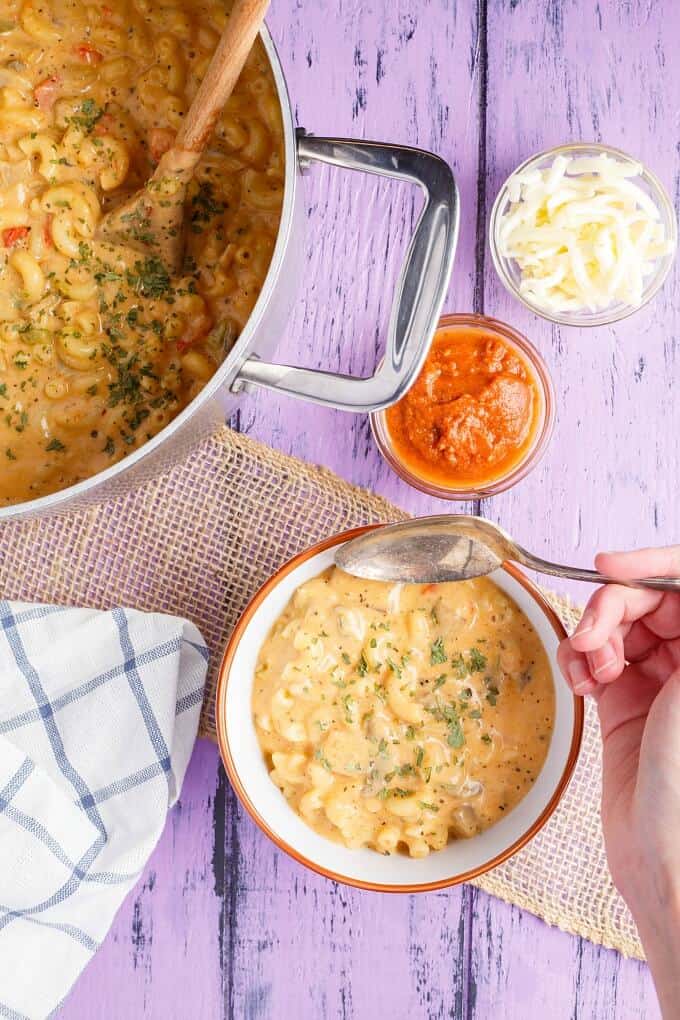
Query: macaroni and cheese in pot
(399, 717)
(99, 346)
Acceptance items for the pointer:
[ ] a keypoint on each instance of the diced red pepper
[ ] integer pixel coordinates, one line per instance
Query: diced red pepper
(196, 330)
(13, 235)
(46, 92)
(160, 140)
(88, 54)
(105, 124)
(47, 230)
(428, 588)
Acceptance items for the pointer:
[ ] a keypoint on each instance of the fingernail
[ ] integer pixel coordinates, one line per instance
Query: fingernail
(586, 623)
(607, 664)
(579, 676)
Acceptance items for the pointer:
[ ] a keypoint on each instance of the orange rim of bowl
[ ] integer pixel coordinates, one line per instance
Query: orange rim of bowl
(532, 456)
(240, 790)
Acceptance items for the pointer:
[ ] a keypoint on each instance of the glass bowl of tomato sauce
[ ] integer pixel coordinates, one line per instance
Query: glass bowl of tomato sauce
(479, 416)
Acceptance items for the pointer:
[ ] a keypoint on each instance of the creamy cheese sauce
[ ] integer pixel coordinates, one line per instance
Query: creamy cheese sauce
(99, 347)
(399, 717)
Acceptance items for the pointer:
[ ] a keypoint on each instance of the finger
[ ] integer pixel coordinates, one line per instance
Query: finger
(662, 562)
(607, 663)
(664, 621)
(575, 669)
(609, 608)
(660, 663)
(639, 641)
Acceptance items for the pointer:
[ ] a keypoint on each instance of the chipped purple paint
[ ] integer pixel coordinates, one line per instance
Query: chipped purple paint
(222, 924)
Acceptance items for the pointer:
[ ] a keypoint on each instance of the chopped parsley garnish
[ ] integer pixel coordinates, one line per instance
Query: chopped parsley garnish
(492, 691)
(204, 205)
(321, 757)
(396, 791)
(456, 737)
(127, 388)
(88, 114)
(3, 389)
(459, 667)
(437, 653)
(486, 738)
(449, 715)
(55, 445)
(477, 661)
(362, 665)
(140, 227)
(149, 278)
(441, 679)
(427, 807)
(345, 658)
(347, 704)
(420, 754)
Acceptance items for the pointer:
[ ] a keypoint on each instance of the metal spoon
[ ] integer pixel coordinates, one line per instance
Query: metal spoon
(454, 547)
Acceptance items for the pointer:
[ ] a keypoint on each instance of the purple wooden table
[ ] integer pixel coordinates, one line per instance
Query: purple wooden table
(223, 925)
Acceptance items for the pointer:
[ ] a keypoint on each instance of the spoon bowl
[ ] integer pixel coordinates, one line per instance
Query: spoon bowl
(451, 547)
(456, 547)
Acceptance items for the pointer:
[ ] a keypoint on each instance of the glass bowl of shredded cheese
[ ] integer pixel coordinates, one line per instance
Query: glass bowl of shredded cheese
(583, 234)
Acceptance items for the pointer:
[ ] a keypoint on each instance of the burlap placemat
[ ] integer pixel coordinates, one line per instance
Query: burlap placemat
(199, 540)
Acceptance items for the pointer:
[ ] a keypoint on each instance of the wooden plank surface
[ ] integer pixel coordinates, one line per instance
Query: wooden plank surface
(223, 925)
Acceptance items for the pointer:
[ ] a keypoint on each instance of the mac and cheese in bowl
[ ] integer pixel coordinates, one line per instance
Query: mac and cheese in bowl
(276, 697)
(99, 347)
(400, 717)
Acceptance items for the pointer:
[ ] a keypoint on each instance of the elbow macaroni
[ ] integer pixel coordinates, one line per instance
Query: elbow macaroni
(401, 717)
(99, 347)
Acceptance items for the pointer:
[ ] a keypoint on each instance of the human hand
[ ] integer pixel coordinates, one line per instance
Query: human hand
(626, 653)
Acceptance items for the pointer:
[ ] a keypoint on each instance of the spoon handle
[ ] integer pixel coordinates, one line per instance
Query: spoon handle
(592, 576)
(226, 65)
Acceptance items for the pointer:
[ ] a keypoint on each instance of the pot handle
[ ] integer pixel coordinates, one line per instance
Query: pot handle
(420, 290)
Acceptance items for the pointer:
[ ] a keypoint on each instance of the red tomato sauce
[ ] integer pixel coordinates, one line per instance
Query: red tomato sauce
(471, 415)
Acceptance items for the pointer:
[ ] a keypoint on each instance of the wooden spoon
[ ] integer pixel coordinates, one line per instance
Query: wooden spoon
(152, 221)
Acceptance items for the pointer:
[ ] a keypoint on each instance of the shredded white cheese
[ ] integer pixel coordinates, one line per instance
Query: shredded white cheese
(584, 235)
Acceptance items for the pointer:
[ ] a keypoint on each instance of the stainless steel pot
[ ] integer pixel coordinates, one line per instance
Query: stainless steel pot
(417, 303)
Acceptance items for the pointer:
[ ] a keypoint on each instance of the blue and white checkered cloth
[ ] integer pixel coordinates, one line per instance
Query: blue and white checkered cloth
(98, 717)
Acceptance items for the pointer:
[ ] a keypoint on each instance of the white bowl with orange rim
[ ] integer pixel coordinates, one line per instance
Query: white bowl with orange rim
(461, 859)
